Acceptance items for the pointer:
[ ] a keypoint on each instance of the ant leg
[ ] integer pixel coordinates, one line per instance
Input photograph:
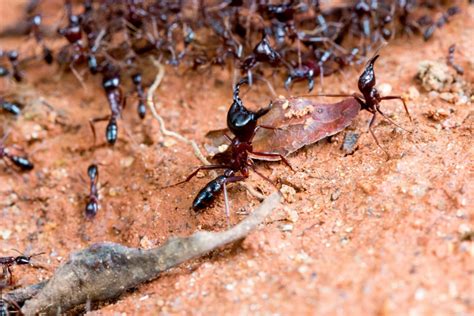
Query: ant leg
(375, 138)
(190, 176)
(77, 75)
(391, 121)
(263, 176)
(276, 155)
(95, 120)
(397, 97)
(226, 198)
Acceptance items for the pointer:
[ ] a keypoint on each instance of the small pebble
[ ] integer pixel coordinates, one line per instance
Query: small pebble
(286, 227)
(384, 89)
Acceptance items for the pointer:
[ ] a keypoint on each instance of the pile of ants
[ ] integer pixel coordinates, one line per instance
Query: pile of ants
(300, 38)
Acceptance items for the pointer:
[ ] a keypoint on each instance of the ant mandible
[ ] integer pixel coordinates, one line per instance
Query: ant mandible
(239, 155)
(8, 262)
(21, 162)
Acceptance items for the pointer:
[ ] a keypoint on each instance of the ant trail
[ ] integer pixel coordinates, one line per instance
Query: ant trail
(163, 130)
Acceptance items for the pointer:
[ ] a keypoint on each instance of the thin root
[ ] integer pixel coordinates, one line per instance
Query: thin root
(163, 130)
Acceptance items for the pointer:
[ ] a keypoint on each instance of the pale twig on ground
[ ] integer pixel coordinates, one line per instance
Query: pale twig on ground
(107, 270)
(163, 130)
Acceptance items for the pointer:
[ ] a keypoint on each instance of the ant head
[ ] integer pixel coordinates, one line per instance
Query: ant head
(367, 79)
(137, 78)
(93, 171)
(240, 120)
(21, 260)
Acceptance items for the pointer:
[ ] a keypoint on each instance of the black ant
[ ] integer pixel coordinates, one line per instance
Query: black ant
(370, 99)
(22, 162)
(35, 22)
(93, 202)
(239, 155)
(15, 63)
(111, 85)
(450, 58)
(141, 107)
(8, 262)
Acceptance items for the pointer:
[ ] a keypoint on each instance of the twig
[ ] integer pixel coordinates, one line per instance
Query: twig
(163, 130)
(106, 270)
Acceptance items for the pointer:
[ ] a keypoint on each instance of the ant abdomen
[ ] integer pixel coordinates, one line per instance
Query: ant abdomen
(208, 194)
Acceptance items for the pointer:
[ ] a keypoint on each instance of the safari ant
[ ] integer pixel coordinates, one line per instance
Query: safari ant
(8, 262)
(141, 107)
(239, 155)
(35, 22)
(450, 58)
(92, 205)
(111, 85)
(22, 162)
(262, 53)
(445, 17)
(370, 99)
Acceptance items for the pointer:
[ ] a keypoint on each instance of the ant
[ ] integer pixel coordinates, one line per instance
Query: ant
(8, 262)
(93, 203)
(370, 99)
(428, 33)
(111, 85)
(10, 107)
(141, 107)
(14, 62)
(451, 63)
(262, 53)
(36, 32)
(239, 155)
(22, 162)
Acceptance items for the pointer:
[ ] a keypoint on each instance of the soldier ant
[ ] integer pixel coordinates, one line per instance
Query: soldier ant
(22, 162)
(239, 155)
(111, 85)
(370, 99)
(8, 262)
(92, 205)
(262, 53)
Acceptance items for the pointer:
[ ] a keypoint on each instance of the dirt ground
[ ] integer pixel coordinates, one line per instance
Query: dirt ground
(358, 234)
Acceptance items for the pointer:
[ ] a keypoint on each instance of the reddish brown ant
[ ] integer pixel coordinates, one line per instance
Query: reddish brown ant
(262, 53)
(370, 99)
(111, 85)
(239, 155)
(450, 58)
(8, 262)
(35, 22)
(92, 205)
(20, 161)
(141, 107)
